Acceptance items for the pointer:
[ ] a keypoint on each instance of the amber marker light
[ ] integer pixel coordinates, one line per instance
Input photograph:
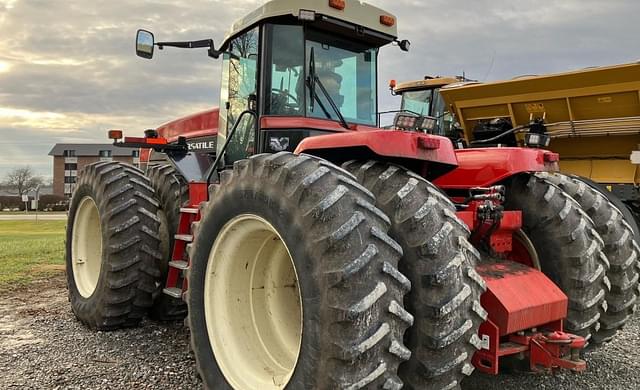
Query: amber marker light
(387, 20)
(337, 4)
(115, 134)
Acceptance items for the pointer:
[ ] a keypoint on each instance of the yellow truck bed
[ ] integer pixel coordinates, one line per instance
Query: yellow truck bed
(593, 115)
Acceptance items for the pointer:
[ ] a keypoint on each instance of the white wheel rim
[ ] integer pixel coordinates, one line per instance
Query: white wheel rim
(86, 247)
(253, 305)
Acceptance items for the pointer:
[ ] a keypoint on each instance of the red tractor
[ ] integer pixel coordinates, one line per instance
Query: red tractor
(311, 248)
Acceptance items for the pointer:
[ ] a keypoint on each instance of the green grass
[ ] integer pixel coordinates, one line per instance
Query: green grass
(30, 250)
(30, 212)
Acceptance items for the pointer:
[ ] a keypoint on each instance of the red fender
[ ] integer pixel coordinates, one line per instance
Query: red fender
(391, 144)
(484, 167)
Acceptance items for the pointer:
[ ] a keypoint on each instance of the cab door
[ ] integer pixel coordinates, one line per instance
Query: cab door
(238, 94)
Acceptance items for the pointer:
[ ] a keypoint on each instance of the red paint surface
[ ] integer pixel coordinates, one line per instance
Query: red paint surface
(520, 254)
(198, 193)
(519, 297)
(484, 167)
(201, 124)
(387, 143)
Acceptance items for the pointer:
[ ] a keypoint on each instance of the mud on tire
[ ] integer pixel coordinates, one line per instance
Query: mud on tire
(172, 193)
(125, 249)
(440, 262)
(568, 247)
(350, 288)
(620, 249)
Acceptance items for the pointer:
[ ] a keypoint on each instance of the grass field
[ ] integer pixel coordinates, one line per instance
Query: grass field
(30, 250)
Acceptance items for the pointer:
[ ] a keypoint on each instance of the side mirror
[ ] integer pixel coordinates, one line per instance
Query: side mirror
(144, 44)
(404, 45)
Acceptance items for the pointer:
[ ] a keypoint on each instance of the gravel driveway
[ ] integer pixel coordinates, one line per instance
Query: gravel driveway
(42, 346)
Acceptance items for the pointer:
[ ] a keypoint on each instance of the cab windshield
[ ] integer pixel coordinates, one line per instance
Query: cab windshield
(429, 102)
(417, 102)
(345, 69)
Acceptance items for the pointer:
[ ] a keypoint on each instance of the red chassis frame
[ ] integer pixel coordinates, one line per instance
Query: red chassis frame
(525, 308)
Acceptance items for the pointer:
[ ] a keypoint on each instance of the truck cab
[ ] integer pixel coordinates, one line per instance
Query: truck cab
(422, 100)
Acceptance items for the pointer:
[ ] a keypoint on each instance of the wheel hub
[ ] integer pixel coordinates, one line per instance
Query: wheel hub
(86, 249)
(253, 305)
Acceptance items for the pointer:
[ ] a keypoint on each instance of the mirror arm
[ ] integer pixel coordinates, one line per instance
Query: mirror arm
(204, 43)
(187, 44)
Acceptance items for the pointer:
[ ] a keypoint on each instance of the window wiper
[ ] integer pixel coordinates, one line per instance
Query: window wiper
(312, 80)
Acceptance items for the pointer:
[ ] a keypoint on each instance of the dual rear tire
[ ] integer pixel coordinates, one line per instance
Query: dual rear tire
(567, 246)
(112, 246)
(294, 281)
(440, 262)
(620, 249)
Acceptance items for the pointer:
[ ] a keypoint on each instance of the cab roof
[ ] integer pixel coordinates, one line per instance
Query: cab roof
(355, 12)
(427, 83)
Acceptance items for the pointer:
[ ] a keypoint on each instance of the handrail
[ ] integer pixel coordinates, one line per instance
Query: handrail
(214, 166)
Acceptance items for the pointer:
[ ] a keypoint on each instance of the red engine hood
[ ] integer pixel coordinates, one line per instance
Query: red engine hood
(201, 124)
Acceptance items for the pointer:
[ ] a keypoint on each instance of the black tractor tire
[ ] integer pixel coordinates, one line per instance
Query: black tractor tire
(126, 212)
(173, 193)
(620, 248)
(440, 262)
(568, 246)
(627, 210)
(350, 289)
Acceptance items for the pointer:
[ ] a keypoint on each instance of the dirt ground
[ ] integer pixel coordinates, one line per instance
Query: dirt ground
(42, 346)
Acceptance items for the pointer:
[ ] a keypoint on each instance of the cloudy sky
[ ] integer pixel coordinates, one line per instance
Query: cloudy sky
(68, 71)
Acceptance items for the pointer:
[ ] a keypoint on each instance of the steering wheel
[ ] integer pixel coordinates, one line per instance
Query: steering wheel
(279, 104)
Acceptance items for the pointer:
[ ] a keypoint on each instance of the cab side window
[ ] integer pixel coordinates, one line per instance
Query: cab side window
(285, 94)
(242, 87)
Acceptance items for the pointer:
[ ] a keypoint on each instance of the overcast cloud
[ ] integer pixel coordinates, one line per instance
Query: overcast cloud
(68, 71)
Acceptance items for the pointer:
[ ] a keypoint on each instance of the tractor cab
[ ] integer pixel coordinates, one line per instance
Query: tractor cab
(291, 70)
(423, 106)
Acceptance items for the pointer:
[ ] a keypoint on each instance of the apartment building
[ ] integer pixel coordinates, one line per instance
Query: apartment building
(69, 159)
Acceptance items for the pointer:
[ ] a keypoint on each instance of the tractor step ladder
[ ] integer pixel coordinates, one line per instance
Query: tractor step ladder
(176, 284)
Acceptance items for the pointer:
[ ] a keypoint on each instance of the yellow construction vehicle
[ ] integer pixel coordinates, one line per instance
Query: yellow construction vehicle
(591, 118)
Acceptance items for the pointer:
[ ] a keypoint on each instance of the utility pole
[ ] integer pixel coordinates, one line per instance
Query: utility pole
(36, 200)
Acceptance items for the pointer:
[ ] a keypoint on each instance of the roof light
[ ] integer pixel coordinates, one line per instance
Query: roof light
(428, 124)
(392, 84)
(405, 121)
(307, 15)
(387, 20)
(115, 134)
(337, 4)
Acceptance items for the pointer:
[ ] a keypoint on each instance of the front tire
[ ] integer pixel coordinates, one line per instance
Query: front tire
(112, 246)
(293, 281)
(620, 249)
(440, 263)
(568, 247)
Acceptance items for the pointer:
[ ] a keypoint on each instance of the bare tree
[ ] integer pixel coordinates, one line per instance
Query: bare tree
(21, 180)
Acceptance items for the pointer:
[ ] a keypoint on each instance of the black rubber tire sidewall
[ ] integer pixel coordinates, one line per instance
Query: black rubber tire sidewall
(624, 208)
